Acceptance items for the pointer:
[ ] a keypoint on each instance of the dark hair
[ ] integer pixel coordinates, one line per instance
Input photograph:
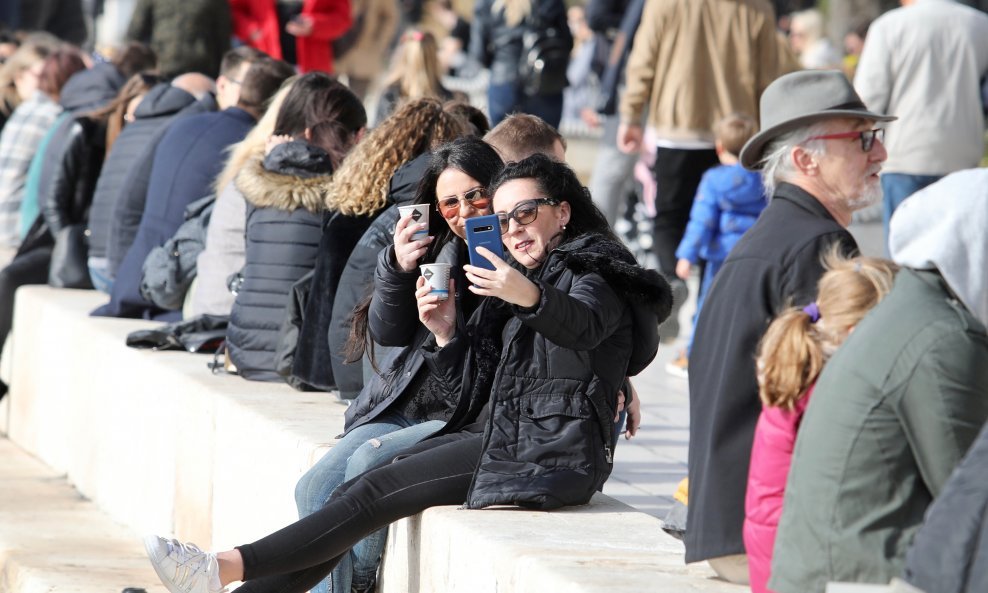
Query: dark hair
(261, 82)
(520, 135)
(558, 182)
(470, 114)
(238, 56)
(330, 112)
(58, 69)
(133, 58)
(470, 155)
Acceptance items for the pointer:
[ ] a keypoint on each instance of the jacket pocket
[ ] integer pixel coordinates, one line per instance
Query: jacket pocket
(555, 430)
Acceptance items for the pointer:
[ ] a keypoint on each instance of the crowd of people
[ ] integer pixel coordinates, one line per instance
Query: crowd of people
(244, 181)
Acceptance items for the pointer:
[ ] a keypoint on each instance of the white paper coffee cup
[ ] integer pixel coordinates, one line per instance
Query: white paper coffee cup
(420, 214)
(437, 277)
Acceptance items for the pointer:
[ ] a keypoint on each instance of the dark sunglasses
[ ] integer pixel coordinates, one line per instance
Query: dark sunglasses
(524, 213)
(476, 198)
(867, 137)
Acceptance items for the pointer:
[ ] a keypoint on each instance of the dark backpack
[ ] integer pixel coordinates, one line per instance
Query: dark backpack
(170, 269)
(544, 59)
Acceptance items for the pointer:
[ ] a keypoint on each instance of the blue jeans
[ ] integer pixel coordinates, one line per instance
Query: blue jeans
(504, 99)
(363, 448)
(896, 187)
(708, 277)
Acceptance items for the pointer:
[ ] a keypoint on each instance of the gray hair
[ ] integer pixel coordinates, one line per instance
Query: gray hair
(777, 164)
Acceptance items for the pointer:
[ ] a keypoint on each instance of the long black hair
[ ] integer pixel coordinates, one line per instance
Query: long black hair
(559, 183)
(470, 155)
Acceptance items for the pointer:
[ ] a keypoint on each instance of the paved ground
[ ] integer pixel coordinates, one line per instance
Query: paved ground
(648, 467)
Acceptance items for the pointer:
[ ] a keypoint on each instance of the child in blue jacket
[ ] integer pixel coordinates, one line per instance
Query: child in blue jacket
(728, 201)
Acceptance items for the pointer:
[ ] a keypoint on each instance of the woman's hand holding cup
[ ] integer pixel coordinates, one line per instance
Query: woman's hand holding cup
(409, 248)
(437, 314)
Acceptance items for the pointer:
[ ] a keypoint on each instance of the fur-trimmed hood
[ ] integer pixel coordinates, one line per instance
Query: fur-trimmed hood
(294, 175)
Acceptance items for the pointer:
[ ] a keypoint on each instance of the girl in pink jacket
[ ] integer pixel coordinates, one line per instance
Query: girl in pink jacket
(791, 356)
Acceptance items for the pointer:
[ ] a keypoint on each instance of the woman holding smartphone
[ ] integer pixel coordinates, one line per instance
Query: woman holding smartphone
(578, 304)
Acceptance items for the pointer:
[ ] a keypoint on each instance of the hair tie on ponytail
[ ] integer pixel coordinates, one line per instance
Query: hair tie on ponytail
(813, 311)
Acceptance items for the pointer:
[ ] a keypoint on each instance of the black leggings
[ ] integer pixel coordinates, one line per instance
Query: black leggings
(437, 472)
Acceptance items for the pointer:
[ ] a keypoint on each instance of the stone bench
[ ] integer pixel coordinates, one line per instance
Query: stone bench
(160, 444)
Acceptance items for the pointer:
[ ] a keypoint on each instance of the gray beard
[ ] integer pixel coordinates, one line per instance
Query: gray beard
(871, 195)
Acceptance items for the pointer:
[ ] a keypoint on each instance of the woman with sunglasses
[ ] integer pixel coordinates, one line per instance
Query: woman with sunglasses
(577, 304)
(402, 403)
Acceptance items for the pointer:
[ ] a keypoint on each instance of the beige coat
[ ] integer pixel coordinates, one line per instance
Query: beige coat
(695, 61)
(366, 59)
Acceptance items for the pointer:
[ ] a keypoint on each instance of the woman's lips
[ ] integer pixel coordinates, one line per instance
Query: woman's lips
(522, 245)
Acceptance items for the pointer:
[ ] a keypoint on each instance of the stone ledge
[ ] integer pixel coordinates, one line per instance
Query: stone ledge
(159, 444)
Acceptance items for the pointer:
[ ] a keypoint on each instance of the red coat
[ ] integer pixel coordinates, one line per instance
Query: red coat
(255, 22)
(771, 457)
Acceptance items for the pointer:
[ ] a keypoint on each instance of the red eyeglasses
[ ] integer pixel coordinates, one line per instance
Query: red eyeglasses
(476, 198)
(867, 137)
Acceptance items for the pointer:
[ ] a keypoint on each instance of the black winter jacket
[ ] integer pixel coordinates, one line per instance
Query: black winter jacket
(550, 378)
(498, 46)
(127, 171)
(391, 305)
(284, 196)
(357, 279)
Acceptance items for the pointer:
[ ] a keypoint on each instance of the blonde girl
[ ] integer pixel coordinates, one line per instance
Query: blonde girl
(791, 355)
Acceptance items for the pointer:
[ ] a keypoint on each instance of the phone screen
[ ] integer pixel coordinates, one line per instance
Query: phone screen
(484, 231)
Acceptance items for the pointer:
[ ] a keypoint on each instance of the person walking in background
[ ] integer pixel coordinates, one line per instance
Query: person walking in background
(727, 204)
(791, 355)
(820, 154)
(299, 32)
(370, 37)
(692, 63)
(911, 56)
(414, 74)
(496, 42)
(810, 43)
(186, 35)
(898, 405)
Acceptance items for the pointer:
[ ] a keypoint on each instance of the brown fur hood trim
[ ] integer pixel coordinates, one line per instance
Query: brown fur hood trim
(275, 183)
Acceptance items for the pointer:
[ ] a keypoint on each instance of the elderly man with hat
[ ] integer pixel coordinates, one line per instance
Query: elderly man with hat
(820, 152)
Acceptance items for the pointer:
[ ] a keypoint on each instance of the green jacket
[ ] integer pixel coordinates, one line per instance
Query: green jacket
(893, 413)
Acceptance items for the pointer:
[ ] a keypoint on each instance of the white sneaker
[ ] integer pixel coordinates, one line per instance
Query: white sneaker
(183, 568)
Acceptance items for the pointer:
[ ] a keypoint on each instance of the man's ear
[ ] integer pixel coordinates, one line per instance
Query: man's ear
(805, 161)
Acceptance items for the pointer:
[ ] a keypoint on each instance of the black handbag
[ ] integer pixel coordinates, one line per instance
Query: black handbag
(69, 258)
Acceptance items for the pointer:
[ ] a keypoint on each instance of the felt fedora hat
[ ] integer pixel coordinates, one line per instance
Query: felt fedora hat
(800, 99)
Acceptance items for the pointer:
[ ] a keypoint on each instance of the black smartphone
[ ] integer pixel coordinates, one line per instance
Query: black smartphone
(484, 231)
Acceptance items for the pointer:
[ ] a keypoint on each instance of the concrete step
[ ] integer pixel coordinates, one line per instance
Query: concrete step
(53, 540)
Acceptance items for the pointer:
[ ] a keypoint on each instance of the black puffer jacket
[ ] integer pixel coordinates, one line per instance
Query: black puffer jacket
(112, 222)
(950, 552)
(391, 305)
(357, 279)
(284, 196)
(550, 379)
(499, 47)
